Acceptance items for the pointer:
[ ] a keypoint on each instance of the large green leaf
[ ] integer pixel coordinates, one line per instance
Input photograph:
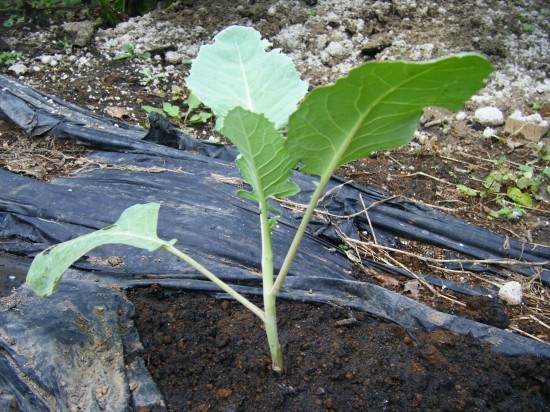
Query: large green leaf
(137, 226)
(264, 161)
(376, 107)
(237, 71)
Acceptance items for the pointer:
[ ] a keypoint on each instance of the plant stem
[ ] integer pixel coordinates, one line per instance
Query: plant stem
(272, 332)
(291, 254)
(270, 298)
(216, 280)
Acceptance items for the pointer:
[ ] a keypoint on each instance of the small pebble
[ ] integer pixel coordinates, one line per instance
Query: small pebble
(18, 69)
(511, 293)
(172, 57)
(460, 116)
(489, 116)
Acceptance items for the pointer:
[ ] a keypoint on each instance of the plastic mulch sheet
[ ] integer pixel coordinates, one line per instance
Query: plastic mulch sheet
(54, 350)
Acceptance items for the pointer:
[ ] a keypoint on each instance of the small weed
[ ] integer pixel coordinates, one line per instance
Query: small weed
(526, 23)
(528, 27)
(507, 210)
(513, 187)
(177, 92)
(193, 103)
(66, 44)
(129, 52)
(149, 76)
(192, 115)
(13, 20)
(469, 191)
(9, 58)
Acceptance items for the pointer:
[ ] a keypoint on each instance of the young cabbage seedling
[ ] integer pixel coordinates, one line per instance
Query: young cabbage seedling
(254, 95)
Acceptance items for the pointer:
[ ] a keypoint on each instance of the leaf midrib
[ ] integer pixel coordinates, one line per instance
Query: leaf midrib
(351, 136)
(245, 79)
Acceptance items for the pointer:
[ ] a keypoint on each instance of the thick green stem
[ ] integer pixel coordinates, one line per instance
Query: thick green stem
(272, 332)
(270, 298)
(291, 254)
(216, 280)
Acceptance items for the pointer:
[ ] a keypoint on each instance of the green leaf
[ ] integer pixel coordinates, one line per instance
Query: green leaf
(192, 102)
(264, 161)
(121, 56)
(508, 212)
(493, 213)
(519, 197)
(237, 71)
(170, 109)
(492, 181)
(527, 171)
(127, 52)
(524, 182)
(150, 109)
(201, 117)
(376, 107)
(469, 191)
(128, 48)
(136, 226)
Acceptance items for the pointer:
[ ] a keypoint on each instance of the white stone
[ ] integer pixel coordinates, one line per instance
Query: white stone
(46, 59)
(489, 116)
(18, 68)
(82, 61)
(460, 116)
(172, 57)
(535, 118)
(511, 293)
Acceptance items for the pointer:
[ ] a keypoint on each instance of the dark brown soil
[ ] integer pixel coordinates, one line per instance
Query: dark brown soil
(211, 355)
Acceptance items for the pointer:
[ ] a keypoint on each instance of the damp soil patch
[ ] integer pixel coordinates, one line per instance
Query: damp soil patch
(209, 354)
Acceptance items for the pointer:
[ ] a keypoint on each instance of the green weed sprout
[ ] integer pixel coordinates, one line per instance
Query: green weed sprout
(255, 94)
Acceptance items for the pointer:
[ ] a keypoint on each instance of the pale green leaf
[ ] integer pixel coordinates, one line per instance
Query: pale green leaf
(192, 102)
(200, 117)
(136, 226)
(527, 171)
(150, 109)
(469, 191)
(236, 71)
(519, 197)
(376, 107)
(170, 109)
(264, 161)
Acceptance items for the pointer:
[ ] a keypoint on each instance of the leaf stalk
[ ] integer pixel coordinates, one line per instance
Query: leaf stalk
(216, 280)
